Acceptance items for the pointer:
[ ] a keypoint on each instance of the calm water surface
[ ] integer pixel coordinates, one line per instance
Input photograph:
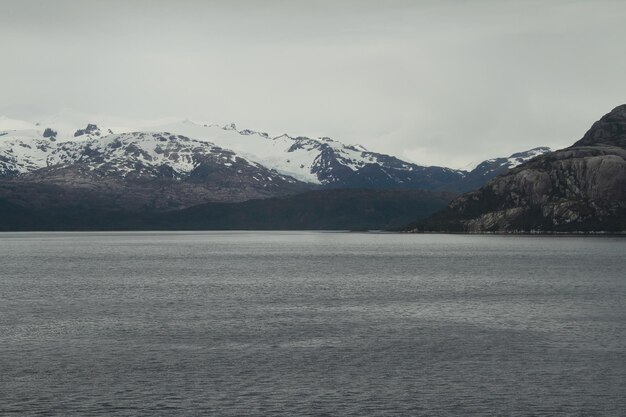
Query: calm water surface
(184, 324)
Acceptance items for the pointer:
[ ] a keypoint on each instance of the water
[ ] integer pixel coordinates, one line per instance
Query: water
(184, 324)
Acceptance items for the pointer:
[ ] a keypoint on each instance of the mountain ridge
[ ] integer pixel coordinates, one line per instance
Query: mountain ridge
(579, 188)
(317, 161)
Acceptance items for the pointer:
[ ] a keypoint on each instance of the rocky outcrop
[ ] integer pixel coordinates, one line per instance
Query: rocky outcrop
(580, 188)
(89, 130)
(609, 130)
(49, 133)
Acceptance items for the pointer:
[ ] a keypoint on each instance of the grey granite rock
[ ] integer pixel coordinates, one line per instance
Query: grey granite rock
(580, 188)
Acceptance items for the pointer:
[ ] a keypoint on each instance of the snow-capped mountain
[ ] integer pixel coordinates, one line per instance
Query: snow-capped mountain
(497, 164)
(322, 161)
(157, 170)
(491, 168)
(138, 155)
(223, 163)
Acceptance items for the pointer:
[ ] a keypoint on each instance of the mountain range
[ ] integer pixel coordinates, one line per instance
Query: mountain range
(186, 175)
(176, 165)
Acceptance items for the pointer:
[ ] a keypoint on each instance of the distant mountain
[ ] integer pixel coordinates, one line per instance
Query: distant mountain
(184, 163)
(580, 188)
(490, 168)
(321, 161)
(133, 170)
(316, 210)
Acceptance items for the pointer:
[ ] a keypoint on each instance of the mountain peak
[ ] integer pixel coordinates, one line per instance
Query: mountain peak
(609, 130)
(531, 153)
(91, 128)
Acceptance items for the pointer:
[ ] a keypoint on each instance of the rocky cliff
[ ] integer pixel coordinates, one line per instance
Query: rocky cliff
(580, 188)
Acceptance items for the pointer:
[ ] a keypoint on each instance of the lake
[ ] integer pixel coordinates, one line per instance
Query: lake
(309, 323)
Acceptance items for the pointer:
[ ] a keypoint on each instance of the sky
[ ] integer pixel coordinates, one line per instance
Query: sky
(445, 82)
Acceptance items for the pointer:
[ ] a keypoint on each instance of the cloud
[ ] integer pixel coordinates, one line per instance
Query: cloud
(440, 82)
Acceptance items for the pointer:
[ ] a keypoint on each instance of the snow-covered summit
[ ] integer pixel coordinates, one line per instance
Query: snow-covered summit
(319, 160)
(522, 157)
(26, 147)
(512, 161)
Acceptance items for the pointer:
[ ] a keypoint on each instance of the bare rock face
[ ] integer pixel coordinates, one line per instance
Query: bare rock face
(609, 130)
(49, 133)
(90, 129)
(580, 188)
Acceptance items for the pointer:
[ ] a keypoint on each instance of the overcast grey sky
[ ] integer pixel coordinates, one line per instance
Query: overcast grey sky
(437, 82)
